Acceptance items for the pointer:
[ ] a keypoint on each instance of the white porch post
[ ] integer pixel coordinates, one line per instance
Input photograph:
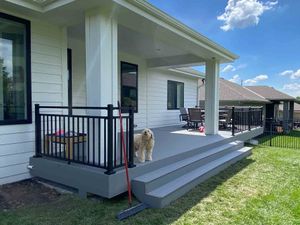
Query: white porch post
(101, 40)
(101, 37)
(212, 97)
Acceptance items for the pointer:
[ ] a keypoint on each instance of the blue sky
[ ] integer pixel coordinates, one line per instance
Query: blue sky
(264, 33)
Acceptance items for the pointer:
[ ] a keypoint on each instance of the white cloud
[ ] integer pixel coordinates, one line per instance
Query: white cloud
(235, 79)
(256, 79)
(291, 73)
(244, 13)
(292, 89)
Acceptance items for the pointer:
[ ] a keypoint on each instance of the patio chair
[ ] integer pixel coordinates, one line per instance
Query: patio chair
(195, 117)
(184, 116)
(224, 118)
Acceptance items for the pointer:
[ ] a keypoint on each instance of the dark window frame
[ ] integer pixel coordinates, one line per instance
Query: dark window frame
(28, 70)
(174, 82)
(137, 85)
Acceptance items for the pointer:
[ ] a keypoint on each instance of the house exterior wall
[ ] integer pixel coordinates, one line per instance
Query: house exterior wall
(78, 71)
(296, 116)
(49, 80)
(152, 89)
(158, 114)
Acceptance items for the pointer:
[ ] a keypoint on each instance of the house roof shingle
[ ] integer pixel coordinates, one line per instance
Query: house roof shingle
(270, 93)
(230, 91)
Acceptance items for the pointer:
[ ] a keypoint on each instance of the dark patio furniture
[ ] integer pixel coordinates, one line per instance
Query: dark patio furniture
(184, 116)
(195, 118)
(224, 118)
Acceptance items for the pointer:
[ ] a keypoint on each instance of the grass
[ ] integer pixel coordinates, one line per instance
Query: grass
(262, 189)
(291, 140)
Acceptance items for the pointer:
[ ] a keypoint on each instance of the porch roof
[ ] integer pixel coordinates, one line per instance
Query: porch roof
(184, 46)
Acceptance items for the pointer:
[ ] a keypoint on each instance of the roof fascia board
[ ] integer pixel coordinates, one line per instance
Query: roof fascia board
(26, 5)
(40, 8)
(56, 4)
(152, 13)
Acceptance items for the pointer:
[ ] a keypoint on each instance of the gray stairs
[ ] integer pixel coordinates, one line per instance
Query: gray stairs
(167, 183)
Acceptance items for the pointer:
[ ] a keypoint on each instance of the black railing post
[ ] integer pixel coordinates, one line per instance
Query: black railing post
(271, 132)
(110, 165)
(233, 121)
(38, 141)
(249, 119)
(131, 138)
(261, 117)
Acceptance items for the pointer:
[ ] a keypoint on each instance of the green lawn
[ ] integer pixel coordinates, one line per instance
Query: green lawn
(291, 140)
(262, 189)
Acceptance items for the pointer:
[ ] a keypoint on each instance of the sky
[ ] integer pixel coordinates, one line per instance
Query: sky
(265, 34)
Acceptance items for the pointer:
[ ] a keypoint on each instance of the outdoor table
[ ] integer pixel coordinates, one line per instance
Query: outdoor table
(68, 141)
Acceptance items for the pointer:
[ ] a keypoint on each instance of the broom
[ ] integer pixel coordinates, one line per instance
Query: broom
(141, 206)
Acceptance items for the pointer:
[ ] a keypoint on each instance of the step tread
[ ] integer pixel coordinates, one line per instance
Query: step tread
(184, 162)
(173, 185)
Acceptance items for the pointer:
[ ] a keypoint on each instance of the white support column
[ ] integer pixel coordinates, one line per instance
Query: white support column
(212, 97)
(101, 40)
(101, 36)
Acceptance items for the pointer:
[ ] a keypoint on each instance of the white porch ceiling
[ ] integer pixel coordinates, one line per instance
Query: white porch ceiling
(143, 30)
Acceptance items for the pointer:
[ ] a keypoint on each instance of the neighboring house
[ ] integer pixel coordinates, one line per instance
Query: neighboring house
(273, 101)
(233, 94)
(276, 98)
(73, 60)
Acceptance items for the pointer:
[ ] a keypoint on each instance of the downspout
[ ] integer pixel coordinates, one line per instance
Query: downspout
(198, 90)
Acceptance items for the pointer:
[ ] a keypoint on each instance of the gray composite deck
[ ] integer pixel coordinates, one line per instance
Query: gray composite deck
(173, 140)
(185, 153)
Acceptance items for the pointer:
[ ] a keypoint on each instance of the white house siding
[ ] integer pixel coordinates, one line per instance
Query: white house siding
(158, 114)
(78, 71)
(48, 55)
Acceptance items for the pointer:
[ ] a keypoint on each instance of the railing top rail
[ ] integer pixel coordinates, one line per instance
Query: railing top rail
(82, 107)
(241, 107)
(73, 107)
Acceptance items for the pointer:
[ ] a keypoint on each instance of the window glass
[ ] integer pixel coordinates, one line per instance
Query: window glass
(13, 72)
(129, 87)
(175, 94)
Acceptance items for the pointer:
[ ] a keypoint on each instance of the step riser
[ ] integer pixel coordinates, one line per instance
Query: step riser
(160, 163)
(149, 186)
(160, 203)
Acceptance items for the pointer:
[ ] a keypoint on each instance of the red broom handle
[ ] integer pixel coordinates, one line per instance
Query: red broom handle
(125, 156)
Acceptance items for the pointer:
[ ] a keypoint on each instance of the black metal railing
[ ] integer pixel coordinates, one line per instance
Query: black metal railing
(245, 118)
(84, 135)
(277, 134)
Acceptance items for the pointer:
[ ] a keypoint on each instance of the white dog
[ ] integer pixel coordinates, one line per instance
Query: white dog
(143, 145)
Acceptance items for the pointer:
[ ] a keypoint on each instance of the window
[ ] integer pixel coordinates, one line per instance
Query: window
(15, 80)
(175, 94)
(129, 85)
